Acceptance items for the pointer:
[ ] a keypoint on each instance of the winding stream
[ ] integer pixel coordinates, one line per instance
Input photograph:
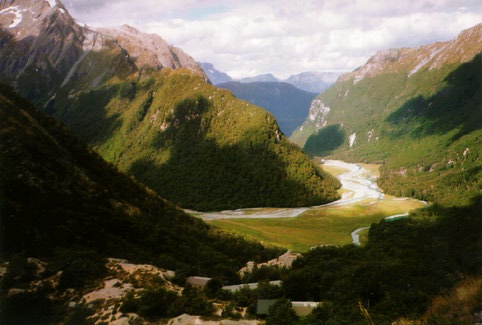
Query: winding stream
(358, 184)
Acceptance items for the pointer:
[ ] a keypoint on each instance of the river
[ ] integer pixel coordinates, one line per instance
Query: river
(357, 184)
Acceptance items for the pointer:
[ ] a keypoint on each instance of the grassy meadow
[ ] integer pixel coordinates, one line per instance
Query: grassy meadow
(328, 225)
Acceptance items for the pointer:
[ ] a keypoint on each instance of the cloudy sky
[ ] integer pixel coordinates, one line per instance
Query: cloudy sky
(284, 37)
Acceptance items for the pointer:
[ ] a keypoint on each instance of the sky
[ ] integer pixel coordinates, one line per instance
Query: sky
(284, 37)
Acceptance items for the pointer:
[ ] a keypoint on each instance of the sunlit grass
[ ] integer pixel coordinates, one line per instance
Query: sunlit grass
(328, 225)
(334, 170)
(323, 226)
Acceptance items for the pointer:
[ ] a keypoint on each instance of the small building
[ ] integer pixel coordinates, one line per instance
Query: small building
(197, 281)
(301, 308)
(263, 305)
(252, 286)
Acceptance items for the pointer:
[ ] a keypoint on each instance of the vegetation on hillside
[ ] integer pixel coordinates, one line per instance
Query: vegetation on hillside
(195, 145)
(403, 266)
(60, 200)
(425, 129)
(288, 104)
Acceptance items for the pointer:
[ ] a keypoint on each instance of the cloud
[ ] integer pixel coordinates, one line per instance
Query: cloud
(286, 36)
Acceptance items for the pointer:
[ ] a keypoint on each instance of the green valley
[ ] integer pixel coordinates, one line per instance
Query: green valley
(147, 107)
(423, 123)
(133, 191)
(329, 225)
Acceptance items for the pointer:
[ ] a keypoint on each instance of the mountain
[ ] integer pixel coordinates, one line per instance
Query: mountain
(416, 110)
(313, 82)
(44, 50)
(57, 194)
(284, 99)
(215, 76)
(288, 104)
(268, 77)
(147, 108)
(69, 210)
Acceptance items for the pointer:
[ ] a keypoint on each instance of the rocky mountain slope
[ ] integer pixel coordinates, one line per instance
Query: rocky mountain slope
(146, 107)
(417, 110)
(288, 104)
(44, 49)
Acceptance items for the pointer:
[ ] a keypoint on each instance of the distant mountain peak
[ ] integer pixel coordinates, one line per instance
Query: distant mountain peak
(150, 50)
(23, 18)
(267, 77)
(214, 75)
(41, 40)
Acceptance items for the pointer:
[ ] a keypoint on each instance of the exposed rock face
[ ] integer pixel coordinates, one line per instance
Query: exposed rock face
(428, 57)
(39, 43)
(150, 50)
(42, 49)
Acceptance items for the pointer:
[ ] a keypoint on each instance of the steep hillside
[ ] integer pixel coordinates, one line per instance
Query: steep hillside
(416, 110)
(44, 50)
(64, 211)
(288, 104)
(148, 109)
(58, 196)
(195, 144)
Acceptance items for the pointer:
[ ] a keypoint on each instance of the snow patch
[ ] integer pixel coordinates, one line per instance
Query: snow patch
(352, 139)
(434, 52)
(419, 66)
(357, 79)
(13, 10)
(52, 3)
(318, 112)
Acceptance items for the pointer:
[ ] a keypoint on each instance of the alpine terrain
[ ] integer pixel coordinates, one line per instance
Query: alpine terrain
(65, 211)
(146, 107)
(288, 104)
(108, 136)
(288, 100)
(416, 110)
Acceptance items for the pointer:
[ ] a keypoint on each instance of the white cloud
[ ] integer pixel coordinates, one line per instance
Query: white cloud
(286, 36)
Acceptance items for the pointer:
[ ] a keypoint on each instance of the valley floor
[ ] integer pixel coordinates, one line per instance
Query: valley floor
(362, 203)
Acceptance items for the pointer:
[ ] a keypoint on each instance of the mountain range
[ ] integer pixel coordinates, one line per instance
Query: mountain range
(69, 218)
(288, 100)
(416, 110)
(288, 104)
(146, 107)
(312, 82)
